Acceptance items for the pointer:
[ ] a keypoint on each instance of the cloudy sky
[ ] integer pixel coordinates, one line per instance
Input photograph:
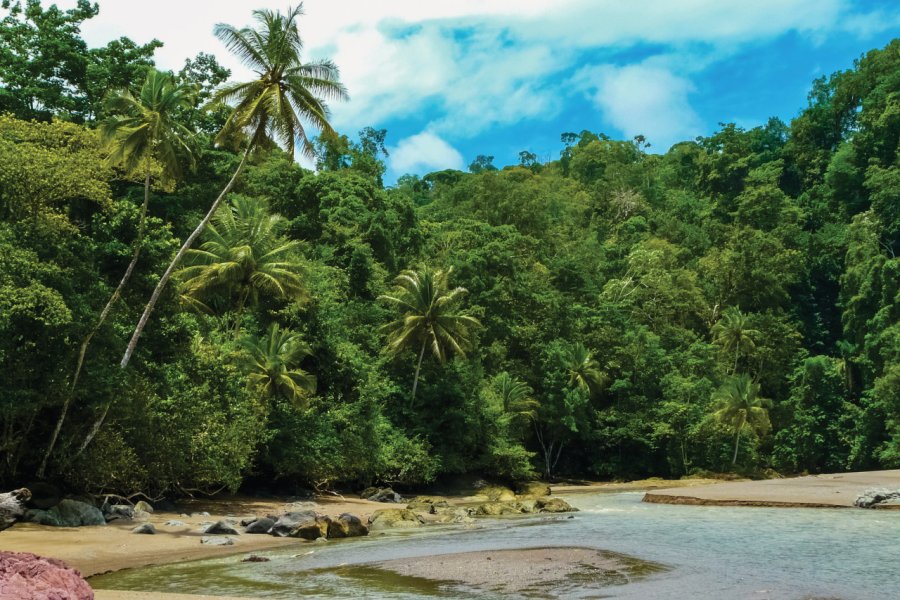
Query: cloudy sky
(453, 79)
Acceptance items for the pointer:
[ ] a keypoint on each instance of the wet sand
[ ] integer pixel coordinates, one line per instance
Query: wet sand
(526, 570)
(838, 490)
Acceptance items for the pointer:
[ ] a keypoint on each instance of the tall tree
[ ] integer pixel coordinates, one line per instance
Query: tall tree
(734, 335)
(143, 136)
(584, 371)
(269, 109)
(429, 317)
(738, 405)
(245, 254)
(272, 364)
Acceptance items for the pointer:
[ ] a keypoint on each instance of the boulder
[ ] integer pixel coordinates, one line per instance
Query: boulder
(394, 518)
(552, 505)
(347, 525)
(381, 495)
(68, 513)
(144, 506)
(145, 528)
(873, 497)
(217, 540)
(12, 506)
(114, 512)
(220, 528)
(497, 493)
(287, 522)
(427, 503)
(261, 525)
(141, 515)
(25, 576)
(532, 489)
(496, 509)
(450, 514)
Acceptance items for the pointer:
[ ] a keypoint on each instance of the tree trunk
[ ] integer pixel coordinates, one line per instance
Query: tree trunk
(117, 293)
(139, 329)
(737, 439)
(418, 368)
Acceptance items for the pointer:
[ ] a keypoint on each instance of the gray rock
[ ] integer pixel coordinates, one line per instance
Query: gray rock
(68, 513)
(12, 507)
(874, 497)
(261, 525)
(146, 528)
(347, 525)
(496, 509)
(175, 523)
(114, 512)
(552, 505)
(221, 528)
(287, 522)
(144, 506)
(216, 540)
(382, 495)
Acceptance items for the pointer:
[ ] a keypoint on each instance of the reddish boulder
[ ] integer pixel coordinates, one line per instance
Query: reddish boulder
(25, 576)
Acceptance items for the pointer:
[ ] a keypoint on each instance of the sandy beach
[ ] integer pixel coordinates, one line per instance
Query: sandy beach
(837, 490)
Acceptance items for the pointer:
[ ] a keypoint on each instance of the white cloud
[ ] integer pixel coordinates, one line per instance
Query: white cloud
(643, 99)
(424, 152)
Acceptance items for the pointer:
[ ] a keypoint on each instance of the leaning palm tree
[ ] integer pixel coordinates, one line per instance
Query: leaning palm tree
(584, 371)
(269, 109)
(272, 363)
(738, 405)
(244, 255)
(143, 137)
(513, 397)
(733, 333)
(429, 317)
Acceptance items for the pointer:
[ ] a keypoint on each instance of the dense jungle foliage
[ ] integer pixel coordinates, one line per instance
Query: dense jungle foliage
(730, 304)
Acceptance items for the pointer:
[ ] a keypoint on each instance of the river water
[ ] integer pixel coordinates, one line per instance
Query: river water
(707, 551)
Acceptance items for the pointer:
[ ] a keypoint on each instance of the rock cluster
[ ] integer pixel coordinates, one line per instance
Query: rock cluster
(12, 506)
(878, 498)
(68, 513)
(25, 576)
(307, 525)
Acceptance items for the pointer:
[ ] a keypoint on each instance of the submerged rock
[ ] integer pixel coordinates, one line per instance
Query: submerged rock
(68, 513)
(255, 558)
(394, 518)
(25, 576)
(552, 505)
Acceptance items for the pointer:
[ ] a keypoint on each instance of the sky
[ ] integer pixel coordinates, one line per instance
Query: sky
(450, 80)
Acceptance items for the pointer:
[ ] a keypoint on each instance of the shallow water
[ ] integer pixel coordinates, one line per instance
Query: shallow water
(711, 552)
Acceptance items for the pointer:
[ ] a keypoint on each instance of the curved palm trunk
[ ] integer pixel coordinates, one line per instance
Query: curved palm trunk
(82, 351)
(418, 368)
(151, 304)
(737, 439)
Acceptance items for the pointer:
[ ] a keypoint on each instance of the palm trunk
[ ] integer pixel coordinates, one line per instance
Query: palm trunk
(139, 329)
(737, 354)
(117, 293)
(418, 368)
(737, 439)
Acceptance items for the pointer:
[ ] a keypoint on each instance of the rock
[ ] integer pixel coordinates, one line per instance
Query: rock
(552, 505)
(532, 489)
(495, 509)
(144, 506)
(147, 528)
(381, 495)
(304, 524)
(255, 558)
(43, 495)
(261, 525)
(220, 528)
(394, 518)
(25, 576)
(200, 514)
(450, 514)
(215, 540)
(114, 512)
(12, 506)
(347, 525)
(497, 493)
(68, 513)
(175, 523)
(872, 497)
(141, 515)
(288, 521)
(893, 504)
(427, 503)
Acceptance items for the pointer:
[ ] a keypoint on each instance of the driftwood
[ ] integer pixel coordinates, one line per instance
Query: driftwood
(12, 507)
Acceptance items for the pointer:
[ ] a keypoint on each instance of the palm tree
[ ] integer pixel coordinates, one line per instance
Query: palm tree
(269, 109)
(733, 333)
(739, 404)
(243, 256)
(142, 135)
(429, 317)
(514, 396)
(272, 363)
(584, 372)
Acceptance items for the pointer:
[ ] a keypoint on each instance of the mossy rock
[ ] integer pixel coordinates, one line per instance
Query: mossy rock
(532, 489)
(496, 509)
(394, 518)
(497, 493)
(552, 505)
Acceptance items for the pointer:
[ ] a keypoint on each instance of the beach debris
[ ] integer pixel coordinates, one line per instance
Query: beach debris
(24, 575)
(12, 506)
(260, 525)
(873, 498)
(217, 540)
(145, 528)
(221, 528)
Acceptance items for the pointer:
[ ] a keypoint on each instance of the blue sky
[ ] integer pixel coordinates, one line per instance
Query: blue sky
(450, 80)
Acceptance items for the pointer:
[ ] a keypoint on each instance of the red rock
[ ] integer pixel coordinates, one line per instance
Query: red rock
(25, 576)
